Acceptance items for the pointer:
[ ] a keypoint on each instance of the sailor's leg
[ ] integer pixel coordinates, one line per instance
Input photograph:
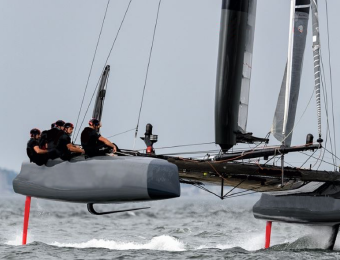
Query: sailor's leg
(26, 218)
(332, 239)
(268, 234)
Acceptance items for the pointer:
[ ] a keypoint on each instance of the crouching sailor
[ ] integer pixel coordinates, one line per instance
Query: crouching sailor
(49, 138)
(93, 143)
(36, 154)
(65, 148)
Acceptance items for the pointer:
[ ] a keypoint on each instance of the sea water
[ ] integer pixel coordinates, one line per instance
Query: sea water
(195, 226)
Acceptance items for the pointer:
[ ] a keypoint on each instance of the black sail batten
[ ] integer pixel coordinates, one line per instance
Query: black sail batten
(303, 5)
(99, 105)
(235, 50)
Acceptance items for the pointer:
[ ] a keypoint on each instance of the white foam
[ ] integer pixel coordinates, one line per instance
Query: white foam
(251, 244)
(17, 240)
(163, 243)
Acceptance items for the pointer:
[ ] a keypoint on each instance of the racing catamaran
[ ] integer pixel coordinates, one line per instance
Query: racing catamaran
(291, 194)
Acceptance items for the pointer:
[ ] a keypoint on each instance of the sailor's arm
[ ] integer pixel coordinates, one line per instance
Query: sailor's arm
(75, 149)
(38, 150)
(108, 143)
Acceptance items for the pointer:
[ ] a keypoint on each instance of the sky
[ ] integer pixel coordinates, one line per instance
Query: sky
(46, 49)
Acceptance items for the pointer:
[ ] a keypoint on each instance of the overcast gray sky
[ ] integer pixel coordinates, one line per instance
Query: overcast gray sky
(47, 47)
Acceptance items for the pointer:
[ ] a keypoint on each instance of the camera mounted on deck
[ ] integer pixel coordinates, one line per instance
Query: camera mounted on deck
(149, 139)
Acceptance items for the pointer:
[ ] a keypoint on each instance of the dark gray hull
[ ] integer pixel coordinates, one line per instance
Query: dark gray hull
(103, 179)
(314, 203)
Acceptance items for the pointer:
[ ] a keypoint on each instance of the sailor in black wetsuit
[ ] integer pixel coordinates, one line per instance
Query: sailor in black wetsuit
(36, 155)
(43, 137)
(49, 138)
(66, 150)
(93, 143)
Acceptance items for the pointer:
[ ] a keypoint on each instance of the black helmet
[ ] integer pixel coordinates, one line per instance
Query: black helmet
(34, 132)
(60, 123)
(94, 122)
(68, 125)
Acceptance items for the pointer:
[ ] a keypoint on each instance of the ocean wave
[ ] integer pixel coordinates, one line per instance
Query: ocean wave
(17, 240)
(162, 243)
(250, 243)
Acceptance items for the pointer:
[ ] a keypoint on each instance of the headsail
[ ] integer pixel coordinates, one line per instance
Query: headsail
(284, 117)
(233, 69)
(99, 105)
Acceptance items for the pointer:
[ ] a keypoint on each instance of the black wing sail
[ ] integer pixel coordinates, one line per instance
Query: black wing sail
(233, 73)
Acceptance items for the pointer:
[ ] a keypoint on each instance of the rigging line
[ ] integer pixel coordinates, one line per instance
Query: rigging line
(122, 133)
(324, 151)
(87, 109)
(232, 195)
(308, 159)
(325, 96)
(290, 164)
(240, 192)
(331, 79)
(255, 189)
(322, 159)
(291, 132)
(331, 153)
(252, 192)
(250, 152)
(221, 176)
(270, 160)
(318, 159)
(235, 150)
(226, 195)
(94, 56)
(175, 146)
(147, 72)
(248, 190)
(120, 26)
(113, 44)
(205, 189)
(194, 152)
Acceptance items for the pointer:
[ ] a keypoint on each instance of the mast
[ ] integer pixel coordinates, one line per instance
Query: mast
(233, 70)
(285, 112)
(99, 105)
(316, 55)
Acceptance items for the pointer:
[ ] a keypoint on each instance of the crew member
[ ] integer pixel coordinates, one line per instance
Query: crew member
(66, 150)
(50, 138)
(43, 138)
(93, 143)
(36, 155)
